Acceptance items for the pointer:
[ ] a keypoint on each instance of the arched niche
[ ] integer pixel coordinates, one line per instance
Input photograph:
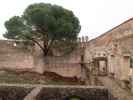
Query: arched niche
(74, 97)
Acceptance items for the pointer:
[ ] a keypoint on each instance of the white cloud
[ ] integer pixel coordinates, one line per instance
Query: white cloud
(96, 16)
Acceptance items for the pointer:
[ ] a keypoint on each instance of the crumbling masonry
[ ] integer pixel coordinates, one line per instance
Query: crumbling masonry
(109, 54)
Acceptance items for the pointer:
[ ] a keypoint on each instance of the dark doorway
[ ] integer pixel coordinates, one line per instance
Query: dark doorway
(101, 65)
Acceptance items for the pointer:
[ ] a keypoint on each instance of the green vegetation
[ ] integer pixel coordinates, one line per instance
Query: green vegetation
(74, 98)
(54, 25)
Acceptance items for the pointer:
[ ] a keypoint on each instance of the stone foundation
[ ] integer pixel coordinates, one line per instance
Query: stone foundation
(80, 92)
(54, 92)
(13, 93)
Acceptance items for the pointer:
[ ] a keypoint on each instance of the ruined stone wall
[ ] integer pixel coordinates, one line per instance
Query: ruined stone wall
(122, 49)
(116, 46)
(125, 54)
(54, 92)
(68, 92)
(13, 92)
(13, 56)
(65, 70)
(67, 66)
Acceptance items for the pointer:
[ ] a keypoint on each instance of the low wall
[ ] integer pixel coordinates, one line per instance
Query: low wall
(13, 93)
(80, 92)
(55, 92)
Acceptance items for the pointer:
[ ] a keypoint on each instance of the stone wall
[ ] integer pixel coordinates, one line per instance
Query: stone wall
(66, 70)
(54, 92)
(14, 55)
(116, 46)
(13, 93)
(79, 92)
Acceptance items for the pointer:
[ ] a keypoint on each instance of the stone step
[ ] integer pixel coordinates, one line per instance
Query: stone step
(32, 95)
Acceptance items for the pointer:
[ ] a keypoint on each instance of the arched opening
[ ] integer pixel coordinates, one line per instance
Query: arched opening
(74, 98)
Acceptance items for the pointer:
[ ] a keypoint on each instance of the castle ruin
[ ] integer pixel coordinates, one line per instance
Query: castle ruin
(109, 54)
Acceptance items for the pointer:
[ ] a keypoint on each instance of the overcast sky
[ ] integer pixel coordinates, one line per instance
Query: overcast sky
(96, 16)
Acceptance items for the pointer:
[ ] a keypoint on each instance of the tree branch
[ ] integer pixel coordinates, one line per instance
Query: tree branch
(49, 46)
(32, 39)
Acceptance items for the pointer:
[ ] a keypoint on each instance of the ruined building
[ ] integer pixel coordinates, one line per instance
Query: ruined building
(109, 54)
(112, 53)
